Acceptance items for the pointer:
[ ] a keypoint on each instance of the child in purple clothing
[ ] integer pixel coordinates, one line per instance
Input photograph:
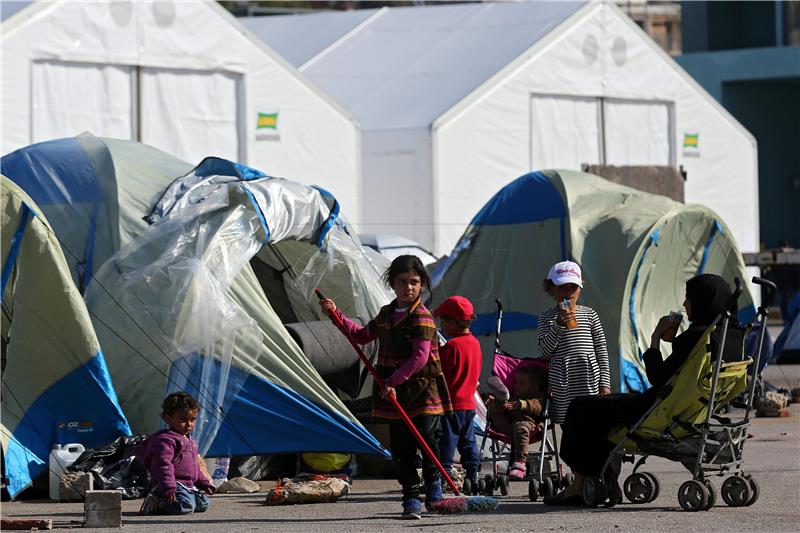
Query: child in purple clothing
(171, 457)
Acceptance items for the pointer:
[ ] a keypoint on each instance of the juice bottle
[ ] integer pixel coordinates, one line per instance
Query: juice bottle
(566, 304)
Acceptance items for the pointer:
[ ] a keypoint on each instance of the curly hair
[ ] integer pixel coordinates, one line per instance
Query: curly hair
(548, 286)
(178, 401)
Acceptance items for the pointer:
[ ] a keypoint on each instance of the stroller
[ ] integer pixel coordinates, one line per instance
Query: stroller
(685, 425)
(543, 465)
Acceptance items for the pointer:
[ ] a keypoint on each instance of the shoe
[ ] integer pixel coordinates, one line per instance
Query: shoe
(517, 471)
(498, 389)
(412, 509)
(433, 494)
(149, 505)
(559, 500)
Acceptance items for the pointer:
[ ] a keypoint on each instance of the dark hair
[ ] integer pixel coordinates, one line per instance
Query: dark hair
(403, 264)
(534, 373)
(461, 324)
(548, 286)
(178, 401)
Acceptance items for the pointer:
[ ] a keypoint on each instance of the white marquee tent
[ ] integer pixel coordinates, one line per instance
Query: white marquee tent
(184, 77)
(453, 99)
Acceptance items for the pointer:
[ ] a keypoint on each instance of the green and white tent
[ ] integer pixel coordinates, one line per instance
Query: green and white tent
(166, 255)
(636, 250)
(56, 385)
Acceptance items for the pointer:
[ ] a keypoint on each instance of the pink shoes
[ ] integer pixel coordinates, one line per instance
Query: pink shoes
(517, 471)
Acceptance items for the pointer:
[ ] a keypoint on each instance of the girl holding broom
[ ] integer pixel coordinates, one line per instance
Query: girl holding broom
(408, 362)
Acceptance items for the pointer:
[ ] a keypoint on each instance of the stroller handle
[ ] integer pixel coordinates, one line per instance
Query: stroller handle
(765, 283)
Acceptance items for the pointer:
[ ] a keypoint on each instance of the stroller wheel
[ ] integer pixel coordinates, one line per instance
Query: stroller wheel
(482, 486)
(491, 484)
(533, 490)
(567, 480)
(712, 494)
(638, 488)
(502, 484)
(467, 487)
(594, 491)
(692, 495)
(656, 485)
(754, 489)
(736, 491)
(547, 487)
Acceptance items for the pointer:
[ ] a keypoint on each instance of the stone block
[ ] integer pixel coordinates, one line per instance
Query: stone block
(103, 508)
(74, 485)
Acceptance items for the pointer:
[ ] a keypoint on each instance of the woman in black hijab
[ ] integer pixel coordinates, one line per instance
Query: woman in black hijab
(584, 442)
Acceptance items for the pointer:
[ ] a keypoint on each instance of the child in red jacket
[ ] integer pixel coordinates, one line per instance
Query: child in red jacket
(461, 364)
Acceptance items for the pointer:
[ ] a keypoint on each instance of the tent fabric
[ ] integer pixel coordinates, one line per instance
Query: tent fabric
(563, 84)
(56, 385)
(177, 306)
(388, 70)
(319, 31)
(787, 345)
(636, 251)
(185, 77)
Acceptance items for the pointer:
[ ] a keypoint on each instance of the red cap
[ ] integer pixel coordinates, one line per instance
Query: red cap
(456, 307)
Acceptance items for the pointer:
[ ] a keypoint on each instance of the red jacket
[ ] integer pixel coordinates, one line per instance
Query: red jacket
(461, 364)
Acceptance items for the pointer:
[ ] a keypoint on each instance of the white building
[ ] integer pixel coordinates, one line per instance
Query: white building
(455, 101)
(184, 77)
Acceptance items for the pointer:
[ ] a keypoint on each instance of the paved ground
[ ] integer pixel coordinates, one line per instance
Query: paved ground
(773, 456)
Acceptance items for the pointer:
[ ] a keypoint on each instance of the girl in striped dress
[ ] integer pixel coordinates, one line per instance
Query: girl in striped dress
(572, 336)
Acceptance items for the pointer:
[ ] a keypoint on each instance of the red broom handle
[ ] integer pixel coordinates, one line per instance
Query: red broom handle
(432, 456)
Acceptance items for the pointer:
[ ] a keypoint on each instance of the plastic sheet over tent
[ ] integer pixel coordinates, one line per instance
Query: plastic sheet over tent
(56, 385)
(636, 251)
(177, 306)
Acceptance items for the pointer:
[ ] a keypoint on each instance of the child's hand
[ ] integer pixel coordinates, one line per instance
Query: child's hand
(605, 391)
(171, 497)
(327, 305)
(388, 392)
(513, 406)
(565, 315)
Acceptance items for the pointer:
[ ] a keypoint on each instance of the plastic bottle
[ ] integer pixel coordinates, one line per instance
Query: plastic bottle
(675, 317)
(218, 468)
(60, 458)
(566, 305)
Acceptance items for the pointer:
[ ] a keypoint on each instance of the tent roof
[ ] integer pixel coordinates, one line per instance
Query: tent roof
(11, 7)
(406, 66)
(319, 31)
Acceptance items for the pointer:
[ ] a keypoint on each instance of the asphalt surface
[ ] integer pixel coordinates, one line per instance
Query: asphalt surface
(772, 456)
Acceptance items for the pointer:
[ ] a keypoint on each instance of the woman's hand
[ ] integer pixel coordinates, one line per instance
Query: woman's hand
(327, 305)
(663, 325)
(388, 392)
(605, 391)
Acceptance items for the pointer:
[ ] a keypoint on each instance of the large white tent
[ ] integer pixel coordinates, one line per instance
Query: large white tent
(453, 99)
(183, 76)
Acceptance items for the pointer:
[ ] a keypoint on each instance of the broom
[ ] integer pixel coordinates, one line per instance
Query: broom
(457, 504)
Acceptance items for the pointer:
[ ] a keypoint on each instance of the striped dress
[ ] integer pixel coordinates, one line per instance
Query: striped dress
(579, 363)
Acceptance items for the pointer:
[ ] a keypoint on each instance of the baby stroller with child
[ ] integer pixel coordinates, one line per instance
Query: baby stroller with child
(686, 425)
(543, 462)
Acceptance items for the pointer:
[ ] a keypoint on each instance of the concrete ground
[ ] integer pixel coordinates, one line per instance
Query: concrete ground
(772, 455)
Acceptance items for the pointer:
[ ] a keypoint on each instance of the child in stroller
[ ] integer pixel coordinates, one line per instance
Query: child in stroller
(527, 379)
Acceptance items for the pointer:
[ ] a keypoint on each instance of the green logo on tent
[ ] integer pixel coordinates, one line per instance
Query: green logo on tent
(267, 121)
(690, 140)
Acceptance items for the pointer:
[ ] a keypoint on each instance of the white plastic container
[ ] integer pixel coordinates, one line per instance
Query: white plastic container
(60, 458)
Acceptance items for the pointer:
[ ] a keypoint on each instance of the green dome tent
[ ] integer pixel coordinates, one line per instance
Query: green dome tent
(636, 250)
(166, 256)
(56, 385)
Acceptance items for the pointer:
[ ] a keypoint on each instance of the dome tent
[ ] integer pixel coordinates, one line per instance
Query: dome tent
(177, 305)
(56, 384)
(636, 250)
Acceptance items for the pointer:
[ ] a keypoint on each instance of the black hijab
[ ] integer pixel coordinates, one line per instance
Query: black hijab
(708, 295)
